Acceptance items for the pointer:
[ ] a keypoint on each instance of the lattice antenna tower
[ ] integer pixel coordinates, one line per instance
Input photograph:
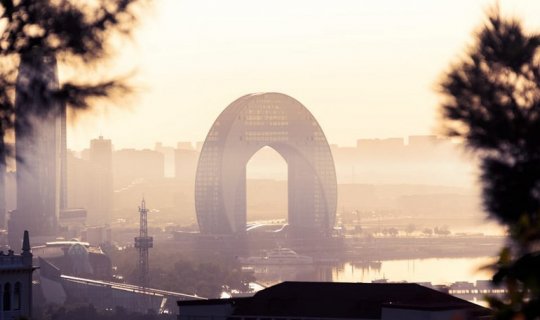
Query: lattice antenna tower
(143, 242)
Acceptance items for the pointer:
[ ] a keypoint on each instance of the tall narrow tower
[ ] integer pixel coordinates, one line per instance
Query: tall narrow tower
(40, 149)
(143, 242)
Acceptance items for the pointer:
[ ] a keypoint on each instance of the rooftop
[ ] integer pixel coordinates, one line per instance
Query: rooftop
(343, 300)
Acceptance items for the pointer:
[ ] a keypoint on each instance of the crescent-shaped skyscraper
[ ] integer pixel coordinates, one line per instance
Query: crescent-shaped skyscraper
(243, 128)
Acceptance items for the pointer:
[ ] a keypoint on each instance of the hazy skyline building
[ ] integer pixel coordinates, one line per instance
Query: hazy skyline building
(185, 163)
(131, 165)
(40, 142)
(243, 128)
(101, 202)
(168, 158)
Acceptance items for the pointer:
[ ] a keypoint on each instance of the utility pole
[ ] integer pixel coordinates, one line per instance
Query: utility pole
(143, 242)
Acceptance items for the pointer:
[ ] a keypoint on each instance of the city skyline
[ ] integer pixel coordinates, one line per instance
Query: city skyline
(365, 69)
(311, 143)
(182, 144)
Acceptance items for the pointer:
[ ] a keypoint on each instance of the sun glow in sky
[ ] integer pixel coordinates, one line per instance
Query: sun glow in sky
(365, 69)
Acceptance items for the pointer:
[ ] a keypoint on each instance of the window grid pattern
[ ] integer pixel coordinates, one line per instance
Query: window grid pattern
(244, 127)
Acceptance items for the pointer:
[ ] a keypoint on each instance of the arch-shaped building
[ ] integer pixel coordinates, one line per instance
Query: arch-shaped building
(244, 127)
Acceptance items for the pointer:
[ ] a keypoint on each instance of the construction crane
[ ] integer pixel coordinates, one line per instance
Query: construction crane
(143, 242)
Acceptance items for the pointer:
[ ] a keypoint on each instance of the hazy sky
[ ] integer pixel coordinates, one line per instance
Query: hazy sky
(363, 68)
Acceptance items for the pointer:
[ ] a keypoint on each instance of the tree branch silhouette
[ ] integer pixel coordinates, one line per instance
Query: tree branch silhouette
(37, 33)
(492, 103)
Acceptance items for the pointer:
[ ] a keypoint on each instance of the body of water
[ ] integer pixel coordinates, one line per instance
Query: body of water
(436, 271)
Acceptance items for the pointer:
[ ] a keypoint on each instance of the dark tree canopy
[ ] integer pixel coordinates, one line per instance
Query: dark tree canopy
(492, 103)
(40, 33)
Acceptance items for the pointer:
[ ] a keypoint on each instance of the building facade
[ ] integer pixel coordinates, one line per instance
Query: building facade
(40, 147)
(130, 165)
(16, 283)
(185, 164)
(100, 206)
(243, 128)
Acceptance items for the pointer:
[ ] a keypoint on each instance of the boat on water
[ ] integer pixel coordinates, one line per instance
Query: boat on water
(280, 256)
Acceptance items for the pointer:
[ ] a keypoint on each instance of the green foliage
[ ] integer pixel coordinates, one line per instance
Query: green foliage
(493, 104)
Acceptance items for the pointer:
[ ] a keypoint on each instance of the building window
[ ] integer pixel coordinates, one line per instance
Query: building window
(17, 296)
(7, 297)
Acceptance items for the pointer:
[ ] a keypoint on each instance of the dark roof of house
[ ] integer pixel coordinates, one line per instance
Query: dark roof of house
(211, 302)
(347, 300)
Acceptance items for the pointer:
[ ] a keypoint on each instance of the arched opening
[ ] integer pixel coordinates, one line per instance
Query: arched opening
(7, 297)
(246, 125)
(17, 296)
(266, 188)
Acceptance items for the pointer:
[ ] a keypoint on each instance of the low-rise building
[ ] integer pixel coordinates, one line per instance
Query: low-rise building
(16, 282)
(333, 300)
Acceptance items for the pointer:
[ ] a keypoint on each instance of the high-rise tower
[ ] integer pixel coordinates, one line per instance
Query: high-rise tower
(40, 148)
(247, 125)
(101, 186)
